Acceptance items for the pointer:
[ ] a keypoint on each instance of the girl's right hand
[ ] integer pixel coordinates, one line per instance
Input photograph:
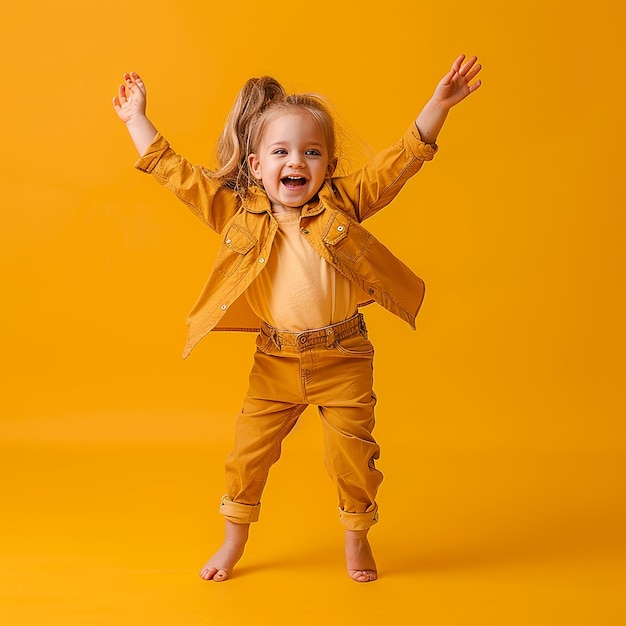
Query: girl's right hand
(131, 99)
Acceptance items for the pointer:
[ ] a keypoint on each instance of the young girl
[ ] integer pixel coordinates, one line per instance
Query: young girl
(293, 265)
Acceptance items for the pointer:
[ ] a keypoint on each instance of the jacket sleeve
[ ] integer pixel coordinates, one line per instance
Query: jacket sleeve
(373, 187)
(213, 203)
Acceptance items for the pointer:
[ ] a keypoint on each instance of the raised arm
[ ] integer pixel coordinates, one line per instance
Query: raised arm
(454, 87)
(130, 106)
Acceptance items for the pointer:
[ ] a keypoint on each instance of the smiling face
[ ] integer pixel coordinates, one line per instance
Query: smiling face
(291, 160)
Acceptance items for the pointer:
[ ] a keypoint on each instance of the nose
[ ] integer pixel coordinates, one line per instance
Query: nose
(295, 161)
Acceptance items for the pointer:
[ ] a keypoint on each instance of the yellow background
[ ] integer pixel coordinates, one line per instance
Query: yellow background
(501, 417)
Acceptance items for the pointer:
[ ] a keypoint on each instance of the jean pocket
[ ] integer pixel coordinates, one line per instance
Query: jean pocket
(356, 345)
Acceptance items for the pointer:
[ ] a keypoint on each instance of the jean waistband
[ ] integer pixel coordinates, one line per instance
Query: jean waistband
(326, 335)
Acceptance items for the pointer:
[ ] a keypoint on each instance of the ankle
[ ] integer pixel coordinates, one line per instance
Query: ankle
(236, 533)
(357, 534)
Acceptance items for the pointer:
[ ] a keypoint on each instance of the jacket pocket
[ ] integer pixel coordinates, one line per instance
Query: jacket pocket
(236, 244)
(346, 237)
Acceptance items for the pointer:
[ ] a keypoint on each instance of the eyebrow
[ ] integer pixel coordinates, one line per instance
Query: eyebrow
(282, 143)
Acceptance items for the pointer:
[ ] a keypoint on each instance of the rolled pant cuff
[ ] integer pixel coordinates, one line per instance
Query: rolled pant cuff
(239, 513)
(359, 521)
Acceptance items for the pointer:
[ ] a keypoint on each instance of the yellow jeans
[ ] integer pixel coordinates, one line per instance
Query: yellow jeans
(330, 367)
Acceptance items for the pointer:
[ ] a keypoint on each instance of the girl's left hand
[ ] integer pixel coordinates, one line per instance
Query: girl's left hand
(457, 84)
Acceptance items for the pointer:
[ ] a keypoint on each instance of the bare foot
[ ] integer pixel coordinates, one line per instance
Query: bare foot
(220, 566)
(359, 558)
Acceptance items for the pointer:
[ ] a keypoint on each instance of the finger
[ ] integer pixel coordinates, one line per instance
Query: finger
(473, 73)
(468, 66)
(139, 82)
(473, 87)
(134, 84)
(456, 66)
(122, 93)
(129, 81)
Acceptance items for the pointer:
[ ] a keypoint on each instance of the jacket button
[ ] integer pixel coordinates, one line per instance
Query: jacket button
(305, 231)
(340, 228)
(223, 307)
(228, 241)
(371, 291)
(261, 260)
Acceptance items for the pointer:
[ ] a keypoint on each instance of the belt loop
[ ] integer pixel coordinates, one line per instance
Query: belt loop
(330, 338)
(273, 333)
(362, 326)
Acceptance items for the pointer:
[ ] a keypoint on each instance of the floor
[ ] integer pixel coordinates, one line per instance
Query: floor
(111, 532)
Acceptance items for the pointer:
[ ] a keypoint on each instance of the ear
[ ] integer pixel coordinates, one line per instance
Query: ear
(255, 165)
(332, 165)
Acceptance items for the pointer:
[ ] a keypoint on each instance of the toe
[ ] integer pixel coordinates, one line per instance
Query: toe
(221, 575)
(208, 572)
(363, 575)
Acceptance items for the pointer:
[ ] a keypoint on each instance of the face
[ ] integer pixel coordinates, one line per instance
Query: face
(291, 160)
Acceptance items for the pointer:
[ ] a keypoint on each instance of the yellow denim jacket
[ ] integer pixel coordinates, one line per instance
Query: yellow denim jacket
(331, 226)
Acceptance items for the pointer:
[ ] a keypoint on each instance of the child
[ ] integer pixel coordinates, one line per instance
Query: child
(293, 265)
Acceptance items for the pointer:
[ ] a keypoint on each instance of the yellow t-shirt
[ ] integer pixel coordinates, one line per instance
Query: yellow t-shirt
(298, 290)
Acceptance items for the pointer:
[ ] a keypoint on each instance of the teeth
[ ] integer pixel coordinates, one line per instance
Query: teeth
(294, 179)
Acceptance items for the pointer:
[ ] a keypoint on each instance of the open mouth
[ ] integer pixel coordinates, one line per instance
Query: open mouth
(293, 182)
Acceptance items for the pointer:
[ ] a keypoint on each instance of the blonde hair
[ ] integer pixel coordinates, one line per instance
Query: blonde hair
(259, 100)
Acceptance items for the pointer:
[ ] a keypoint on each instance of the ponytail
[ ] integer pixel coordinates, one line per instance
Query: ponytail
(233, 145)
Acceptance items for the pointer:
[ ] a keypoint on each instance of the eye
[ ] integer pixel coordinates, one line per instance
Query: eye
(279, 151)
(313, 152)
